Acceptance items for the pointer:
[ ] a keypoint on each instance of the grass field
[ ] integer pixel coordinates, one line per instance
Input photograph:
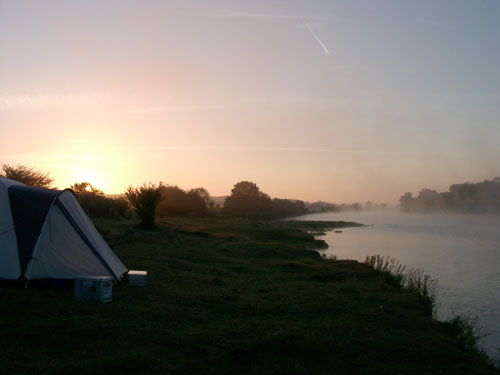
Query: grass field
(230, 296)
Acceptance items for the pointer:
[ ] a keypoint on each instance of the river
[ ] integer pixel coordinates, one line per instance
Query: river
(461, 251)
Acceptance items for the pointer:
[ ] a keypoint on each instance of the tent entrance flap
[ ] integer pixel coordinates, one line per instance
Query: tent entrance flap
(30, 207)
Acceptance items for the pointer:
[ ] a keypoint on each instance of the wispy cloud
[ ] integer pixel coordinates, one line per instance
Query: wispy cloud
(309, 28)
(270, 148)
(48, 101)
(269, 16)
(34, 102)
(230, 14)
(172, 108)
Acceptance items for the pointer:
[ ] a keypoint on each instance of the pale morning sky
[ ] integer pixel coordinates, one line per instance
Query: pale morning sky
(340, 101)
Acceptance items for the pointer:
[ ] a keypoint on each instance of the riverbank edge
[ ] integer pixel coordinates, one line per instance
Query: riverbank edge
(318, 228)
(465, 329)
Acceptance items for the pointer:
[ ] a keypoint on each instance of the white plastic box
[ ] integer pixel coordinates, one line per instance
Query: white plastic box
(93, 288)
(137, 278)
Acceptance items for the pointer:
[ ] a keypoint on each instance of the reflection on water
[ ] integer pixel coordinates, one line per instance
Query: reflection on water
(462, 252)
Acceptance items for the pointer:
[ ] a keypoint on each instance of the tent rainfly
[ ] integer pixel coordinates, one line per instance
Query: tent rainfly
(46, 234)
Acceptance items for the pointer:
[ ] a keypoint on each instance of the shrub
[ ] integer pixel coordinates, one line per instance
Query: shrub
(466, 331)
(145, 199)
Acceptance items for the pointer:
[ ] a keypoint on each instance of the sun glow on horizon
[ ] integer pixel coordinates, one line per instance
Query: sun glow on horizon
(98, 160)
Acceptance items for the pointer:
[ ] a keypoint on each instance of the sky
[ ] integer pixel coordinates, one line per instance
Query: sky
(340, 101)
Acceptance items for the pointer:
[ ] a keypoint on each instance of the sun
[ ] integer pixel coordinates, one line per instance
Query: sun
(100, 161)
(90, 174)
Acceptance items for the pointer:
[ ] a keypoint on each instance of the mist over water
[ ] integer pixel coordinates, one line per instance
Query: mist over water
(461, 251)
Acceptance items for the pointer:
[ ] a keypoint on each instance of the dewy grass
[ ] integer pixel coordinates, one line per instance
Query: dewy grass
(229, 296)
(414, 280)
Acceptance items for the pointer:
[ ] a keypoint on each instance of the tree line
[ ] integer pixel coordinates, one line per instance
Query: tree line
(321, 206)
(159, 200)
(247, 199)
(481, 197)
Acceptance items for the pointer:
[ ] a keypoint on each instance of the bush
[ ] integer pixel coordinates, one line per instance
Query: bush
(466, 331)
(145, 199)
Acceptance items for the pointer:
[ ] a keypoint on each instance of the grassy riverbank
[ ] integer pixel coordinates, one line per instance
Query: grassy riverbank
(229, 296)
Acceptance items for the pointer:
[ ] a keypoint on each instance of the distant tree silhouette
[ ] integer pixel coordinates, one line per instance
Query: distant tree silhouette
(81, 188)
(96, 204)
(203, 194)
(323, 207)
(145, 199)
(173, 203)
(287, 207)
(406, 202)
(198, 200)
(481, 197)
(177, 202)
(246, 199)
(27, 175)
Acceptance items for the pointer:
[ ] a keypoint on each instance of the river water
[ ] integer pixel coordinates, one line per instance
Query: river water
(461, 251)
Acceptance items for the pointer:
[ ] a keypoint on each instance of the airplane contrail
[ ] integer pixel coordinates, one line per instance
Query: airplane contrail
(315, 36)
(277, 16)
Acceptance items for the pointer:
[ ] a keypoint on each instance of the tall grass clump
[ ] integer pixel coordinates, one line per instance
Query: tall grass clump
(329, 258)
(413, 280)
(467, 332)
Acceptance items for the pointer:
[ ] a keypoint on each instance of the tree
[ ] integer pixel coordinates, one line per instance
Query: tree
(178, 202)
(481, 197)
(287, 207)
(84, 188)
(197, 202)
(406, 202)
(27, 175)
(144, 199)
(203, 194)
(427, 200)
(96, 204)
(174, 202)
(246, 199)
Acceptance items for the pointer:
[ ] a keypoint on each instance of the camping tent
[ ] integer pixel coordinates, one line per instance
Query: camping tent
(45, 233)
